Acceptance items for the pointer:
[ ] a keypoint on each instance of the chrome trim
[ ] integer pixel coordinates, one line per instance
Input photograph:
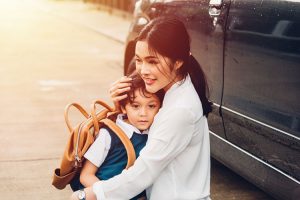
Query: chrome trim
(259, 122)
(216, 104)
(254, 157)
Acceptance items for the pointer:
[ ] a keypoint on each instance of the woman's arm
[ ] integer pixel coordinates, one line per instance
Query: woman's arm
(167, 139)
(87, 175)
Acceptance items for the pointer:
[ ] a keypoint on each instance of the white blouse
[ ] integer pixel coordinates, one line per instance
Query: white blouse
(175, 163)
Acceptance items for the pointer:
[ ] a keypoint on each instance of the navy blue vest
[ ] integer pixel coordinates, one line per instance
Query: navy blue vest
(116, 158)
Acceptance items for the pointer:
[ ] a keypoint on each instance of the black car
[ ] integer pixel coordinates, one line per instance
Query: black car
(250, 52)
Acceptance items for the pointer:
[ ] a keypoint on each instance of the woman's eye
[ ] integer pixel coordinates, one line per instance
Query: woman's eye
(153, 62)
(137, 60)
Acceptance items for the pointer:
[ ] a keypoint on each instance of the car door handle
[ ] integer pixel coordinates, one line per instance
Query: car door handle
(214, 9)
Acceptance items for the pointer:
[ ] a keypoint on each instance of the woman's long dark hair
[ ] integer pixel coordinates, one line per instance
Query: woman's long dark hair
(169, 37)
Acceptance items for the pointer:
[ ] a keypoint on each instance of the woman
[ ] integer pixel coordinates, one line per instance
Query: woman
(175, 163)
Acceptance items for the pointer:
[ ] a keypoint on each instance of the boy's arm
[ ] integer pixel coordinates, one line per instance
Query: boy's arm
(87, 175)
(94, 158)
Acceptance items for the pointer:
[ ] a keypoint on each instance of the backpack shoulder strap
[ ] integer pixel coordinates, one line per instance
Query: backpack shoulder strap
(94, 115)
(124, 139)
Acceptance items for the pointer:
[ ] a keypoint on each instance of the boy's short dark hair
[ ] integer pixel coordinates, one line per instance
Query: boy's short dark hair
(138, 83)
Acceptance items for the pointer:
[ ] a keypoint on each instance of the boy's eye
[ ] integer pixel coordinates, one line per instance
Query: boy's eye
(152, 106)
(134, 105)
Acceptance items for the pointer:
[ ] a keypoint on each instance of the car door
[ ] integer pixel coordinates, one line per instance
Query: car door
(206, 24)
(205, 21)
(260, 106)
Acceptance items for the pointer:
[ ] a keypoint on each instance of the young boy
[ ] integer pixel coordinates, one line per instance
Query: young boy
(107, 156)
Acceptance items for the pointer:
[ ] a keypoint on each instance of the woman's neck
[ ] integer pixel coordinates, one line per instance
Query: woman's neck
(175, 80)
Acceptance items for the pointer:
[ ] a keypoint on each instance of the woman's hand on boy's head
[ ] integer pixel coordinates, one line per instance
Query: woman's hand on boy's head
(118, 89)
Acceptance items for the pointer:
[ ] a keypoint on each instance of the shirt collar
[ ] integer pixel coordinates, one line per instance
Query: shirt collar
(179, 85)
(128, 128)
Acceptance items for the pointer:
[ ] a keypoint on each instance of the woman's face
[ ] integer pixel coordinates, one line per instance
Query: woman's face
(156, 70)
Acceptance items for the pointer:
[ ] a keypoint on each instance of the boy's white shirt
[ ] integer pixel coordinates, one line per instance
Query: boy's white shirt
(175, 163)
(98, 151)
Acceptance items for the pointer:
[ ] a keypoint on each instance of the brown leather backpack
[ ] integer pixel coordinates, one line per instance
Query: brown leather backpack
(81, 138)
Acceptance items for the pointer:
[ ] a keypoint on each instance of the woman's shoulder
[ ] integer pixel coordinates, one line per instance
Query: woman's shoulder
(182, 98)
(177, 115)
(186, 99)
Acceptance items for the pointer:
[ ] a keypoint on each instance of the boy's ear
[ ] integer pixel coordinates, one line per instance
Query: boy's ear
(123, 110)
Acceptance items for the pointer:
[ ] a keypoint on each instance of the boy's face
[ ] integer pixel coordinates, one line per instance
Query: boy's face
(142, 110)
